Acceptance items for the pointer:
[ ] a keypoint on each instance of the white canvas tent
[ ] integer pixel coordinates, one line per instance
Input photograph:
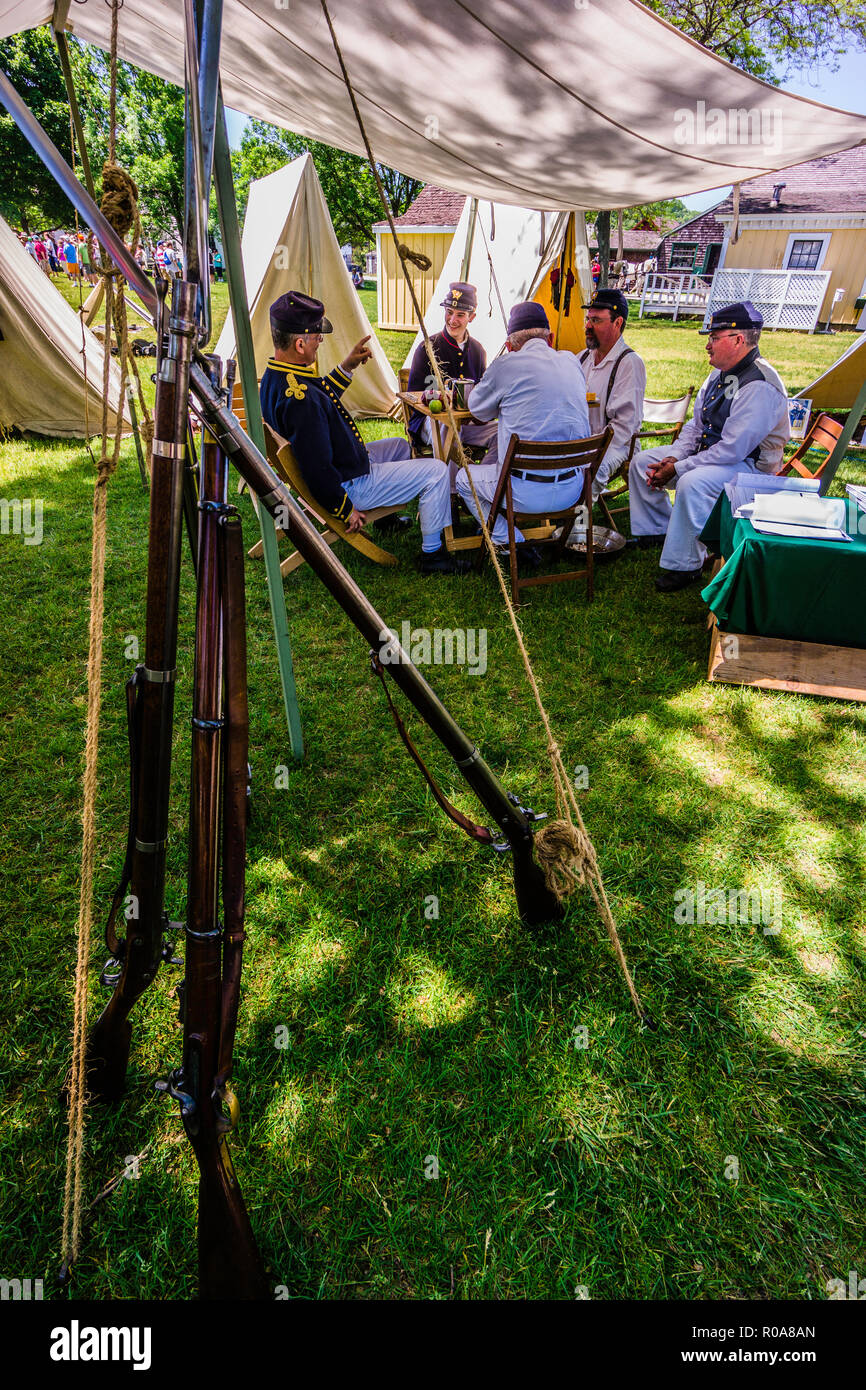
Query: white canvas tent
(42, 381)
(289, 244)
(551, 105)
(512, 248)
(839, 387)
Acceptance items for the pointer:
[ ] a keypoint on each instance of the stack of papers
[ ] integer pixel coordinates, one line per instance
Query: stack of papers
(801, 513)
(745, 487)
(857, 494)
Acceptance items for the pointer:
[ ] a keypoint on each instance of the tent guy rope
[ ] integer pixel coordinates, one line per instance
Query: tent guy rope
(115, 316)
(565, 851)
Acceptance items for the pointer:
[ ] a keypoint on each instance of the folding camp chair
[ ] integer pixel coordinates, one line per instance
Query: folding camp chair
(283, 461)
(822, 434)
(665, 420)
(531, 458)
(417, 451)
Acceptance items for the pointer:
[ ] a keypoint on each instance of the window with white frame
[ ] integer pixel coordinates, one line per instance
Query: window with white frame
(805, 252)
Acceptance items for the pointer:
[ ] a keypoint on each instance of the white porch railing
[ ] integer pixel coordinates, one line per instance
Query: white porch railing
(786, 298)
(674, 294)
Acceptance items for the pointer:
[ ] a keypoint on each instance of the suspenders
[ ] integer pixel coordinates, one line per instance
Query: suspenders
(582, 360)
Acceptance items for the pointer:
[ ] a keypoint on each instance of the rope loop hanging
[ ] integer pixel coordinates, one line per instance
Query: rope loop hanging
(119, 201)
(416, 257)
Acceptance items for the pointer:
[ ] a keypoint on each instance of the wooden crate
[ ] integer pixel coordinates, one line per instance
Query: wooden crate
(775, 663)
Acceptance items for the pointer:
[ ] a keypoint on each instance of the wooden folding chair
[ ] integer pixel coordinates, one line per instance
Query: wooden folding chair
(424, 451)
(282, 459)
(530, 458)
(665, 420)
(823, 433)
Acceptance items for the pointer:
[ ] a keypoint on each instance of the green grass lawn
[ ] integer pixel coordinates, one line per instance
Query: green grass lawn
(721, 1157)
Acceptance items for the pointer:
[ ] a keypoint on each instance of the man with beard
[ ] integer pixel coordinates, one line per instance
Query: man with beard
(615, 380)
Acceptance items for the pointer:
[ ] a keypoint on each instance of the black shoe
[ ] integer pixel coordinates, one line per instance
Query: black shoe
(528, 557)
(443, 561)
(388, 524)
(671, 580)
(646, 542)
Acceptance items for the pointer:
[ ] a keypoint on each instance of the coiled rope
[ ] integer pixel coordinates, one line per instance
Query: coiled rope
(563, 847)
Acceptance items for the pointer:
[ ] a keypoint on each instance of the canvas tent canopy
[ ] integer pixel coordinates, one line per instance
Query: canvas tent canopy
(511, 251)
(839, 386)
(289, 243)
(550, 106)
(42, 358)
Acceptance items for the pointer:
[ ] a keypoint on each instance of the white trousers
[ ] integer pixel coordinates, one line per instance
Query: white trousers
(395, 478)
(650, 511)
(530, 497)
(608, 465)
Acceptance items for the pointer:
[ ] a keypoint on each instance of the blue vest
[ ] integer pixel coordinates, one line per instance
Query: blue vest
(719, 397)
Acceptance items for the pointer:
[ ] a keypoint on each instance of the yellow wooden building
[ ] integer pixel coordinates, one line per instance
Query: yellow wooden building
(427, 226)
(811, 216)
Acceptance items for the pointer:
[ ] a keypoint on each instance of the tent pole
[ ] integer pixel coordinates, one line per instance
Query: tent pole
(855, 415)
(228, 215)
(470, 236)
(63, 51)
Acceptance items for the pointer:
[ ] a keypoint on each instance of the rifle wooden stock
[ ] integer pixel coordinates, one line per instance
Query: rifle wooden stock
(536, 903)
(142, 951)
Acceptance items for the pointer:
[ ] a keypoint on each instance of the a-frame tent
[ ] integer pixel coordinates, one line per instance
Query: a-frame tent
(511, 250)
(838, 387)
(44, 350)
(289, 243)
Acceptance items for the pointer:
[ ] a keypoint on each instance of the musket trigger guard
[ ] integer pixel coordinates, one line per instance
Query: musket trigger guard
(109, 976)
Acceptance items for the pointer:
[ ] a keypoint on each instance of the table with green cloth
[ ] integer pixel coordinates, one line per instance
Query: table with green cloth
(786, 586)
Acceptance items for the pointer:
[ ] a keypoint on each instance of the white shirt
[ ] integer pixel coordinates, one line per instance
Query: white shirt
(625, 408)
(538, 394)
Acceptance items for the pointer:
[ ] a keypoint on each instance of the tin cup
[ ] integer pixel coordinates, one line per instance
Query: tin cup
(457, 386)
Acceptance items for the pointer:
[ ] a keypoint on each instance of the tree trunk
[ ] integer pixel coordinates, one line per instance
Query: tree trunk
(602, 227)
(619, 235)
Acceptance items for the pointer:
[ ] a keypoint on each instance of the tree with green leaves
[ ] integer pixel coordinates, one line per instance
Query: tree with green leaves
(769, 41)
(347, 180)
(149, 132)
(29, 197)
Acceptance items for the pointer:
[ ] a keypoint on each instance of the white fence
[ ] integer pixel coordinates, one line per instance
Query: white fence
(786, 298)
(674, 294)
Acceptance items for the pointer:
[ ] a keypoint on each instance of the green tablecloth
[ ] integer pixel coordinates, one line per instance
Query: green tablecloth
(785, 586)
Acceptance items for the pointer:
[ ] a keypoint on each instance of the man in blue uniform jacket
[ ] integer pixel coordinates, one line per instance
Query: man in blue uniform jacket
(343, 474)
(740, 425)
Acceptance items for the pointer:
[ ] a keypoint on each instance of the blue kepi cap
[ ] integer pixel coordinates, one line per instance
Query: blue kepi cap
(742, 315)
(527, 315)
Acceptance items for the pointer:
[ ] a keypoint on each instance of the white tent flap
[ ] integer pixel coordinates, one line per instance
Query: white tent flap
(550, 105)
(42, 354)
(511, 250)
(289, 244)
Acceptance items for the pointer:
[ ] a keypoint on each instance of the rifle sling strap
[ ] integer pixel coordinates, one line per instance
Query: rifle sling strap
(475, 832)
(133, 728)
